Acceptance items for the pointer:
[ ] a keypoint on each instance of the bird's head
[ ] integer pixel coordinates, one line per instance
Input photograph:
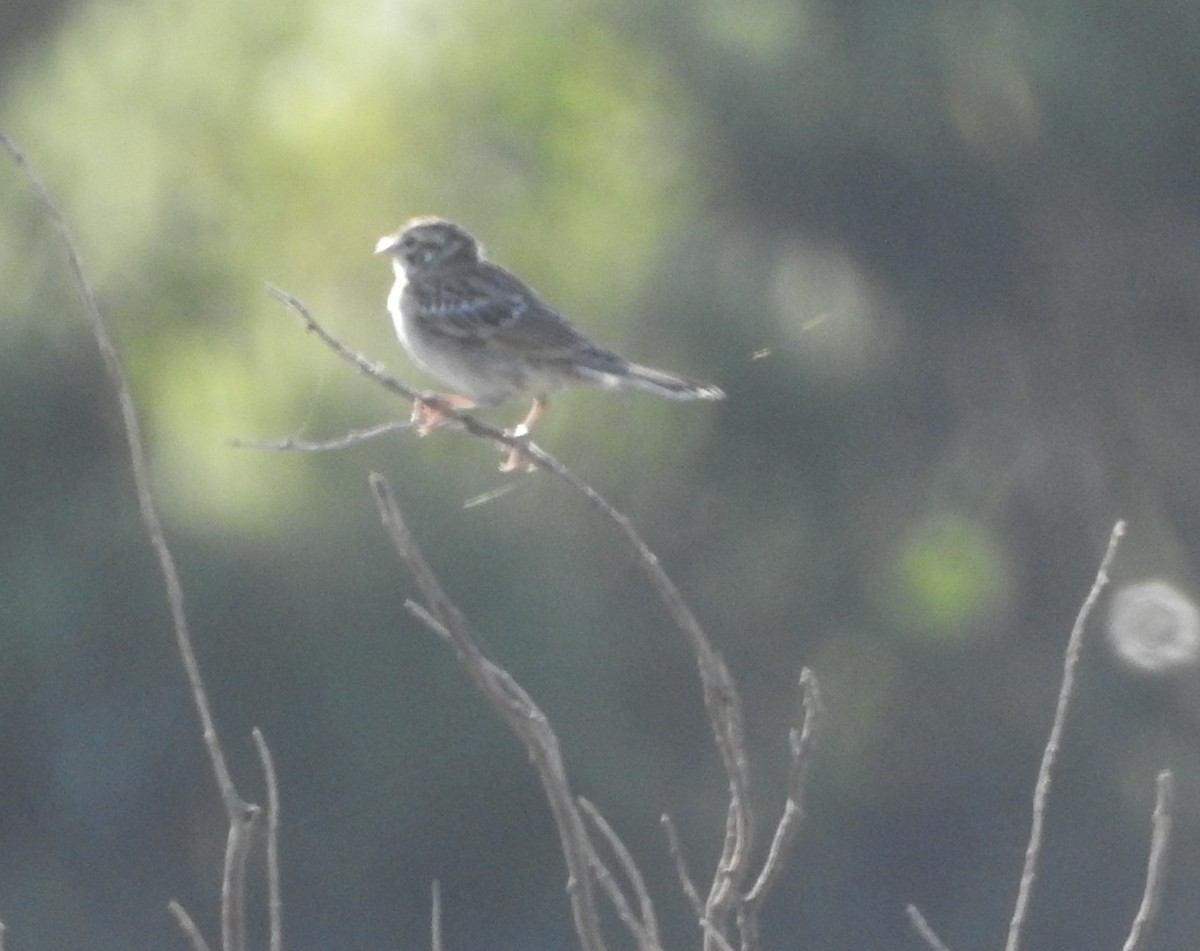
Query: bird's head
(429, 243)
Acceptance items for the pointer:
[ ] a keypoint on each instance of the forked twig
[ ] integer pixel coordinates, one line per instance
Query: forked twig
(644, 925)
(1041, 790)
(1156, 869)
(688, 887)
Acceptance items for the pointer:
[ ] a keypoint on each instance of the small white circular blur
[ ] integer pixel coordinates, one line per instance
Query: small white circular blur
(1154, 627)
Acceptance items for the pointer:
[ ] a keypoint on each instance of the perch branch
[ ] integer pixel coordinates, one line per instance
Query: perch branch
(1041, 790)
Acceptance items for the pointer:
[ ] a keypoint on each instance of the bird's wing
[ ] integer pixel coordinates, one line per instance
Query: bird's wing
(488, 304)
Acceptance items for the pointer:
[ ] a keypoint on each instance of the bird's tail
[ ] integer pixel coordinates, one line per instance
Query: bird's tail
(669, 385)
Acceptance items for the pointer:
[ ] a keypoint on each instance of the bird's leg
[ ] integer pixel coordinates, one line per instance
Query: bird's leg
(516, 459)
(426, 417)
(535, 413)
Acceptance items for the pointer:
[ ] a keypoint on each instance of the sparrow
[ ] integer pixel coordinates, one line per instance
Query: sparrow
(483, 332)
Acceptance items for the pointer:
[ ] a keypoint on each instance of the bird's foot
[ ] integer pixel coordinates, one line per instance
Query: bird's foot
(429, 415)
(516, 460)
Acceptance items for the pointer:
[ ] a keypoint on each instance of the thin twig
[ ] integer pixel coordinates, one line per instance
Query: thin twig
(516, 708)
(188, 926)
(1041, 790)
(354, 437)
(711, 933)
(236, 809)
(435, 916)
(922, 927)
(274, 879)
(233, 879)
(686, 884)
(646, 931)
(608, 885)
(1156, 870)
(802, 740)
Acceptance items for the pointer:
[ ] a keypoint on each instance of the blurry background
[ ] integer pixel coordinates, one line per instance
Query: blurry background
(945, 258)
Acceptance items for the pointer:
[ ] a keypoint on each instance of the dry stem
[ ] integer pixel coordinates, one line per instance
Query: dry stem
(923, 928)
(1041, 790)
(239, 813)
(274, 886)
(515, 707)
(1156, 869)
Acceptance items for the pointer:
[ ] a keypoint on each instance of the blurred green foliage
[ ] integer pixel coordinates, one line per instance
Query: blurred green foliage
(942, 257)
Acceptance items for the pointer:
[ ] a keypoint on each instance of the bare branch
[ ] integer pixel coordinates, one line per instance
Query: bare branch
(686, 884)
(1041, 791)
(233, 880)
(608, 885)
(274, 879)
(721, 700)
(236, 810)
(802, 740)
(353, 438)
(188, 926)
(1156, 871)
(515, 707)
(435, 916)
(710, 932)
(644, 927)
(922, 927)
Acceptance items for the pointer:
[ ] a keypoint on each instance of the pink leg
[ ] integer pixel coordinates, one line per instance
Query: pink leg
(515, 458)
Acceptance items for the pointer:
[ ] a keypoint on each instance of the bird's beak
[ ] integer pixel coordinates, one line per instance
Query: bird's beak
(387, 243)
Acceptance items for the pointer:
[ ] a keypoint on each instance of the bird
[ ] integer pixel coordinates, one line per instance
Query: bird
(482, 331)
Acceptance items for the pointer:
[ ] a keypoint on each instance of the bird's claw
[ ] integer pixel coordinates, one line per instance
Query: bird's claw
(516, 458)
